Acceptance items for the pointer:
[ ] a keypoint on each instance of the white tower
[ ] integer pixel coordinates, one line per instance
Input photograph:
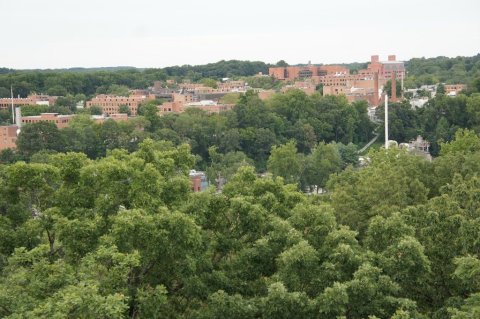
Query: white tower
(386, 121)
(13, 109)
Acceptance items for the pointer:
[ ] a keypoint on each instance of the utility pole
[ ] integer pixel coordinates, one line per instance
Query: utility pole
(386, 121)
(13, 109)
(403, 75)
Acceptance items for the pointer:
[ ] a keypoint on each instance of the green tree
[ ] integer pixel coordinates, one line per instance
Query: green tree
(39, 136)
(279, 303)
(466, 141)
(57, 90)
(387, 184)
(4, 92)
(468, 271)
(209, 82)
(95, 110)
(320, 164)
(441, 89)
(230, 98)
(298, 268)
(150, 112)
(471, 308)
(285, 162)
(125, 109)
(225, 165)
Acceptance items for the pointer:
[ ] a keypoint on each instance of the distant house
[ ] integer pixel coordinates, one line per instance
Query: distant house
(198, 181)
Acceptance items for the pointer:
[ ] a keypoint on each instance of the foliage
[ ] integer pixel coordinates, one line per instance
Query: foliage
(285, 162)
(39, 136)
(100, 221)
(230, 98)
(125, 109)
(209, 82)
(221, 69)
(123, 236)
(443, 69)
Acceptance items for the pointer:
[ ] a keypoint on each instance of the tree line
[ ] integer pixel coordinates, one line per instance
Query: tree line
(95, 81)
(442, 70)
(92, 81)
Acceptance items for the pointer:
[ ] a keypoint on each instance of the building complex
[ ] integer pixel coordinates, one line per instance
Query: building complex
(337, 80)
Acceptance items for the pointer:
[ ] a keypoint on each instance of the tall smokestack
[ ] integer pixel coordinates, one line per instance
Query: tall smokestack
(401, 93)
(394, 87)
(18, 119)
(13, 111)
(18, 116)
(375, 89)
(386, 121)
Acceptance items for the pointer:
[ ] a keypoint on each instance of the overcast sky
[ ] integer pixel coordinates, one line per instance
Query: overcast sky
(147, 33)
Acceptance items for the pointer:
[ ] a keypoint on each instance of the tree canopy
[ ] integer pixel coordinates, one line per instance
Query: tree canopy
(122, 236)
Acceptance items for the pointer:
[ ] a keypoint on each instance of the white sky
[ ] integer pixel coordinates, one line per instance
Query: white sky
(147, 33)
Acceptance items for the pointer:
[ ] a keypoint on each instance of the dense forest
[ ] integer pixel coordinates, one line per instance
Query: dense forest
(91, 81)
(123, 236)
(443, 70)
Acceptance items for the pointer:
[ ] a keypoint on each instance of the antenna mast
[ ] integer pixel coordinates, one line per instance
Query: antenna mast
(13, 109)
(386, 121)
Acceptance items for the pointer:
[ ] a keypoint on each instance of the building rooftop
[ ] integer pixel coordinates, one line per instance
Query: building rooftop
(391, 62)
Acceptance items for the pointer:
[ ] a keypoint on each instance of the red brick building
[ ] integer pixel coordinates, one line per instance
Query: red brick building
(8, 136)
(33, 99)
(306, 86)
(385, 69)
(171, 107)
(110, 104)
(292, 73)
(120, 117)
(60, 121)
(209, 106)
(367, 84)
(454, 89)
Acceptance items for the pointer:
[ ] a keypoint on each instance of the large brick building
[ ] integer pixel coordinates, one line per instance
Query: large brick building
(308, 87)
(209, 106)
(367, 84)
(385, 69)
(292, 73)
(171, 107)
(33, 99)
(8, 136)
(59, 120)
(8, 133)
(110, 104)
(205, 105)
(337, 80)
